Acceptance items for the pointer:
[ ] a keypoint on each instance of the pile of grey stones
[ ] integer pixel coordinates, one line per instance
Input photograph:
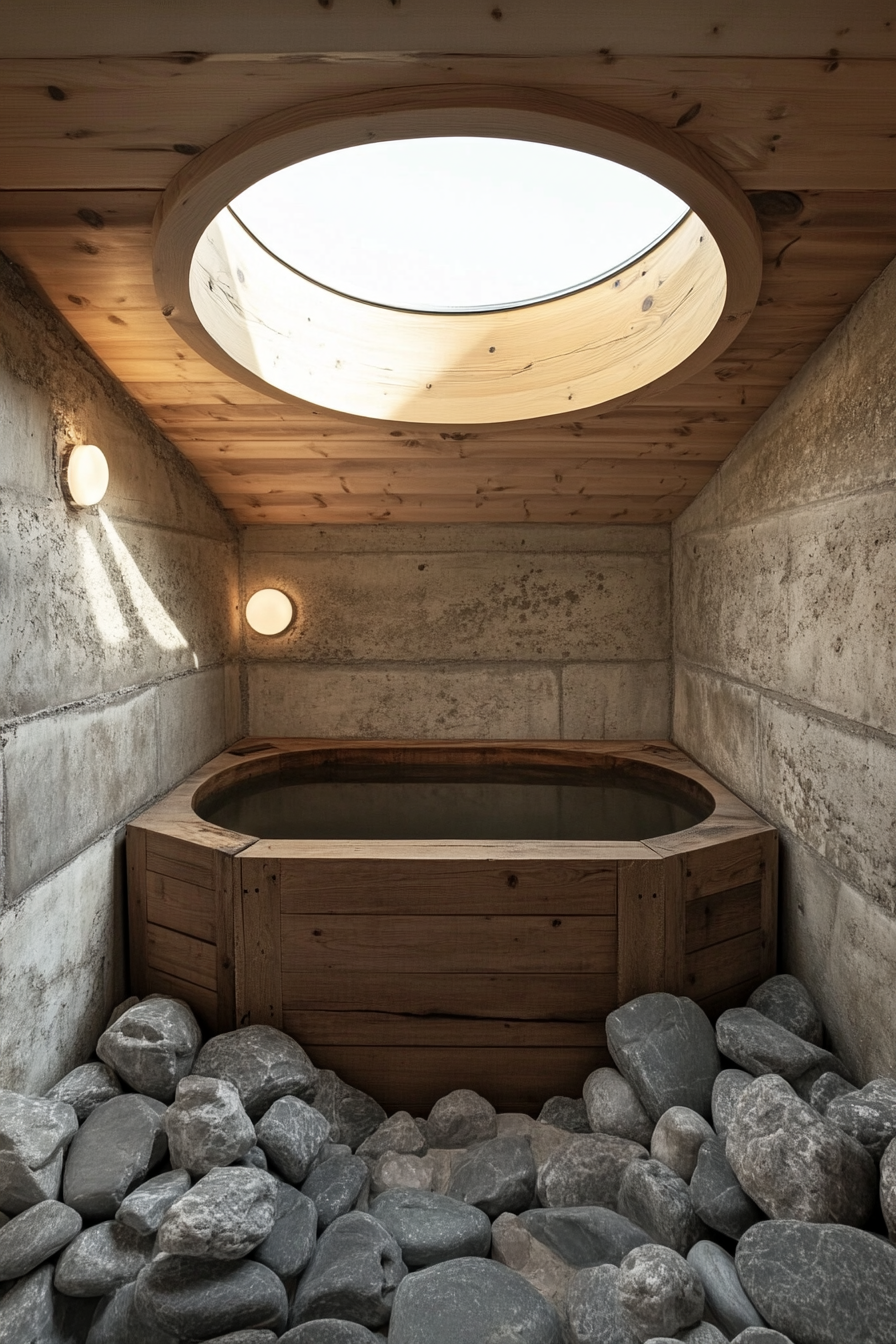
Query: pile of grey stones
(726, 1183)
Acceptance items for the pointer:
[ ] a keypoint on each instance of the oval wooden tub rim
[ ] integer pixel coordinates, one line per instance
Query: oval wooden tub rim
(660, 761)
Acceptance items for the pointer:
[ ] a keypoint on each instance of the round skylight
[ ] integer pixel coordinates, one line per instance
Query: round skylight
(457, 223)
(456, 257)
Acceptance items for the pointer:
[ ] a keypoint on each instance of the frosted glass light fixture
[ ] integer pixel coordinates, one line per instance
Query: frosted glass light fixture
(85, 475)
(269, 611)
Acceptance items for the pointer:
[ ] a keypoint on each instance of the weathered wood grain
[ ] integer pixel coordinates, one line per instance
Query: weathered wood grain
(257, 937)
(642, 928)
(377, 1030)
(727, 914)
(346, 944)
(183, 906)
(405, 886)
(537, 996)
(177, 954)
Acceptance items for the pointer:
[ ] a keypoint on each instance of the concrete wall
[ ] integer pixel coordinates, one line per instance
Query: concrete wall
(459, 631)
(785, 662)
(118, 640)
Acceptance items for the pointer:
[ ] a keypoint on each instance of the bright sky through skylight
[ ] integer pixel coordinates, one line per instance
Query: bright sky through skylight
(457, 223)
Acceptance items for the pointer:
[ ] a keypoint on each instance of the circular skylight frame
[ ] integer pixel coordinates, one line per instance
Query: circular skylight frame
(651, 326)
(528, 194)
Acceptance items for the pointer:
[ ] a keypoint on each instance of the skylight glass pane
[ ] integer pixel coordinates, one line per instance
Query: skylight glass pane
(442, 224)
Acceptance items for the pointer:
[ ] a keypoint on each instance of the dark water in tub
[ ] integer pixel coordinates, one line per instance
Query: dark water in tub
(497, 803)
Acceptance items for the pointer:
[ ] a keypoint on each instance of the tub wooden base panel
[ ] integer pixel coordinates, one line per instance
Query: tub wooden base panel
(412, 968)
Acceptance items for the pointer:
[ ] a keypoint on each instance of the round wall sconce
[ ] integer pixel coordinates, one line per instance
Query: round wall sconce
(85, 475)
(269, 611)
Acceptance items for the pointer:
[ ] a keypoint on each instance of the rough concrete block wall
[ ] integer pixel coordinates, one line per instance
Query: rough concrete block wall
(784, 575)
(118, 675)
(462, 631)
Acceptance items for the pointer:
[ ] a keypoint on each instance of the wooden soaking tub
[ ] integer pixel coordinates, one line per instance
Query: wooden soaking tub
(414, 966)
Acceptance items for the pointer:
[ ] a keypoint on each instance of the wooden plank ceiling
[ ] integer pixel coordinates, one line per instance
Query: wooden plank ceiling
(88, 144)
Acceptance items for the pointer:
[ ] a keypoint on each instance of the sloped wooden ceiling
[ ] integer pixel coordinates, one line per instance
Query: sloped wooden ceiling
(88, 143)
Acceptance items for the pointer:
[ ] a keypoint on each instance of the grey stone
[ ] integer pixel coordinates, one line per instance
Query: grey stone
(471, 1301)
(820, 1285)
(717, 1195)
(330, 1331)
(404, 1171)
(612, 1107)
(725, 1093)
(888, 1188)
(352, 1114)
(117, 1321)
(566, 1113)
(353, 1274)
(145, 1207)
(152, 1046)
(826, 1088)
(793, 1162)
(225, 1215)
(254, 1158)
(121, 1008)
(677, 1139)
(460, 1119)
(786, 1001)
(587, 1170)
(430, 1227)
(760, 1334)
(656, 1199)
(262, 1063)
(513, 1246)
(30, 1312)
(207, 1126)
(117, 1145)
(101, 1259)
(805, 1082)
(869, 1115)
(291, 1134)
(594, 1310)
(290, 1243)
(725, 1295)
(86, 1087)
(34, 1134)
(658, 1291)
(761, 1046)
(197, 1299)
(585, 1236)
(665, 1046)
(30, 1238)
(702, 1333)
(336, 1186)
(245, 1337)
(328, 1150)
(399, 1134)
(498, 1176)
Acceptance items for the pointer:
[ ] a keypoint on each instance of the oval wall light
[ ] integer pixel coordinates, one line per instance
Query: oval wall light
(85, 475)
(269, 611)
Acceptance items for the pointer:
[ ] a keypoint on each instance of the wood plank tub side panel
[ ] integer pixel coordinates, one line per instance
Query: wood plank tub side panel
(259, 954)
(641, 923)
(393, 886)
(770, 912)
